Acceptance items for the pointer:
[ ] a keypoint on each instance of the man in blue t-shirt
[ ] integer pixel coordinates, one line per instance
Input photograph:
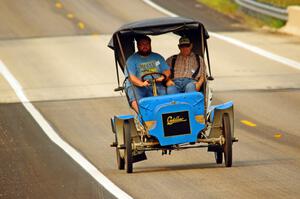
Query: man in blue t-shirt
(141, 63)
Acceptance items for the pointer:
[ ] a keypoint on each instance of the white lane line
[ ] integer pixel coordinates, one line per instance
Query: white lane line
(50, 132)
(259, 51)
(254, 49)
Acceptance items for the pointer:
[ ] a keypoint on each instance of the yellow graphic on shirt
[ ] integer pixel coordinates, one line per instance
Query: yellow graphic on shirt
(149, 67)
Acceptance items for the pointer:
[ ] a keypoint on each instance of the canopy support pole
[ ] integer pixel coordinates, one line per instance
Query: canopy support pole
(208, 61)
(125, 66)
(117, 70)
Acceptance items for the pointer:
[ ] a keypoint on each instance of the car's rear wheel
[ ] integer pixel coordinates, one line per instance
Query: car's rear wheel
(128, 147)
(227, 147)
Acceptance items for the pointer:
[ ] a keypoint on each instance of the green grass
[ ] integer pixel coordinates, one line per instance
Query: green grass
(252, 19)
(223, 6)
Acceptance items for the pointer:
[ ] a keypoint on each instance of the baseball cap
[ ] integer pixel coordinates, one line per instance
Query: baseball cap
(184, 41)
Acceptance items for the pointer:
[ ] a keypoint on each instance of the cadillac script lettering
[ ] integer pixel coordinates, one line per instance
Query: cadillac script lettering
(177, 119)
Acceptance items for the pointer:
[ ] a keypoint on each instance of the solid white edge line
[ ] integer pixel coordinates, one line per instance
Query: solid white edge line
(254, 49)
(259, 51)
(50, 132)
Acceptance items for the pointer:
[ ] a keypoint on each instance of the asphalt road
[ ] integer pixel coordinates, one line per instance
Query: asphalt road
(60, 63)
(32, 166)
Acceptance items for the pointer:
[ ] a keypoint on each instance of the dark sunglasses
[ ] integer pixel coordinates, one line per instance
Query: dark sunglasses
(184, 45)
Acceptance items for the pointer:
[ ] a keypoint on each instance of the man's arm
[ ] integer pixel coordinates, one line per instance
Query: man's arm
(131, 69)
(137, 82)
(162, 78)
(199, 83)
(167, 73)
(164, 69)
(202, 74)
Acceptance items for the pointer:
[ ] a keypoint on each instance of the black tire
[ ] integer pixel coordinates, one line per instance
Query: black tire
(227, 147)
(219, 157)
(128, 147)
(120, 160)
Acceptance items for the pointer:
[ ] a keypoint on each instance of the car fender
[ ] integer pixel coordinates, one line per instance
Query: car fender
(215, 118)
(117, 127)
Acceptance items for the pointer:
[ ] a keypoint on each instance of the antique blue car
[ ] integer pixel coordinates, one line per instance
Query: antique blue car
(170, 122)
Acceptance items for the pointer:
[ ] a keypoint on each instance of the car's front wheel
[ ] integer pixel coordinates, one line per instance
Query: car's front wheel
(128, 147)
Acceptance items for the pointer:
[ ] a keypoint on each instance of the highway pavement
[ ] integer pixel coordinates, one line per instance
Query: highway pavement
(57, 51)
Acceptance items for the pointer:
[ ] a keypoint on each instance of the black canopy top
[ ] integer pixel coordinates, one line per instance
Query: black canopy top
(178, 25)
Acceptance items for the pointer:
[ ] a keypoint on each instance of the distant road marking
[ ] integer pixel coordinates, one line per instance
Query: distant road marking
(278, 135)
(50, 132)
(254, 49)
(81, 25)
(70, 16)
(58, 5)
(248, 123)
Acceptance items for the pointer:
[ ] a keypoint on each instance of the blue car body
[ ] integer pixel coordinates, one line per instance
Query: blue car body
(177, 118)
(174, 117)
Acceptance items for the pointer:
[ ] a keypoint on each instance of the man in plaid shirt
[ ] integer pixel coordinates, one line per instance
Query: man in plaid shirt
(188, 69)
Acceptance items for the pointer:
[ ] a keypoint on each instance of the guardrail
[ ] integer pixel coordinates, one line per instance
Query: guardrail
(255, 6)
